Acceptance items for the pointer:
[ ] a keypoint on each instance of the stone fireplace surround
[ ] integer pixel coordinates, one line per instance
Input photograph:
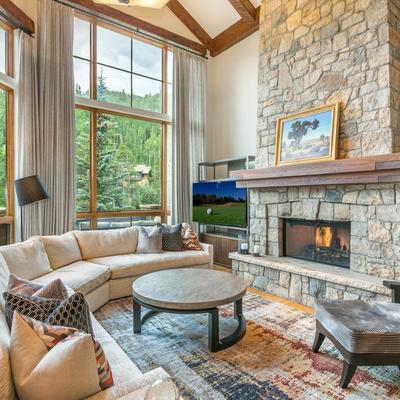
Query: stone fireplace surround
(374, 243)
(315, 52)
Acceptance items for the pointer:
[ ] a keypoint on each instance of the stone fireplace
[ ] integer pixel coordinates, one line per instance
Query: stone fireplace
(314, 53)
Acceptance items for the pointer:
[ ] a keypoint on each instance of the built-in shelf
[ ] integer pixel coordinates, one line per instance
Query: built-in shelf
(374, 169)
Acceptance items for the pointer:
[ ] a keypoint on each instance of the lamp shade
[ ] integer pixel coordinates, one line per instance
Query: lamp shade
(30, 190)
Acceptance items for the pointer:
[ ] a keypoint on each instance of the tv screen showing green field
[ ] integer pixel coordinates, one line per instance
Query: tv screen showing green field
(220, 203)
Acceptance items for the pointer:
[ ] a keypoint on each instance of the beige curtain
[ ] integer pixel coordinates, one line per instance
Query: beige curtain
(45, 136)
(27, 159)
(188, 130)
(56, 113)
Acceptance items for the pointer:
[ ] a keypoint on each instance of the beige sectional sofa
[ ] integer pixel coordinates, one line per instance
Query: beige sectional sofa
(102, 265)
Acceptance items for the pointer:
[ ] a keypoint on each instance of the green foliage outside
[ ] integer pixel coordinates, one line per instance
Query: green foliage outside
(231, 214)
(125, 149)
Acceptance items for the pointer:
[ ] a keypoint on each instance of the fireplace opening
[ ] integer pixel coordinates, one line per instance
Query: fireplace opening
(319, 241)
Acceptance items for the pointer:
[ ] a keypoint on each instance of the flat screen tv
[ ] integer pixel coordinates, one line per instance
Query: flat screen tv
(220, 203)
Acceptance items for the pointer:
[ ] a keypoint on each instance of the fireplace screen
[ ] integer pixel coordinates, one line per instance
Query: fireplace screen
(319, 241)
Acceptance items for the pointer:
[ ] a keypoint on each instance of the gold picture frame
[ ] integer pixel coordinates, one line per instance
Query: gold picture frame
(291, 148)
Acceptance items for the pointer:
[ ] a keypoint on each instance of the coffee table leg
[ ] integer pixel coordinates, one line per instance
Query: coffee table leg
(238, 309)
(214, 342)
(213, 330)
(137, 317)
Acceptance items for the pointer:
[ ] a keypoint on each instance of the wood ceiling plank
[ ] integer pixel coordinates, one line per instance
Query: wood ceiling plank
(135, 22)
(231, 36)
(234, 34)
(10, 13)
(245, 9)
(177, 8)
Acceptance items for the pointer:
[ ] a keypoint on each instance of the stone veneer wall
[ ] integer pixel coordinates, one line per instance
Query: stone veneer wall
(315, 52)
(394, 39)
(300, 288)
(374, 212)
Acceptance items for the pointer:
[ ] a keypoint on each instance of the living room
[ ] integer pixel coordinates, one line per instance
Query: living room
(199, 200)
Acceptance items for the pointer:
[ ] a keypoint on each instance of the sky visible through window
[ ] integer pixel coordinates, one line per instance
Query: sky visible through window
(129, 69)
(3, 51)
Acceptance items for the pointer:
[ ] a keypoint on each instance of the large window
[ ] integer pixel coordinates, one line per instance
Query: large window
(123, 87)
(7, 85)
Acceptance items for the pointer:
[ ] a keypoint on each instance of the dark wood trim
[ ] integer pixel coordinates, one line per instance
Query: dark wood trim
(135, 22)
(176, 7)
(234, 34)
(245, 9)
(11, 14)
(375, 169)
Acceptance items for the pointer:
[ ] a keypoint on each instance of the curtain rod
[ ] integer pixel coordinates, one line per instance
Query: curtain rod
(126, 26)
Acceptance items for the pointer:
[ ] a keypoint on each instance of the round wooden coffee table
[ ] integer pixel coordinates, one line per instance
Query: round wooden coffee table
(191, 291)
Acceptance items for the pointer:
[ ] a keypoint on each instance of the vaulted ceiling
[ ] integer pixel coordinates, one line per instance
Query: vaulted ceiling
(216, 24)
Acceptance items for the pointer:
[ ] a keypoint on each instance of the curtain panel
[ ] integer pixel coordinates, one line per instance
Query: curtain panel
(46, 133)
(188, 130)
(27, 161)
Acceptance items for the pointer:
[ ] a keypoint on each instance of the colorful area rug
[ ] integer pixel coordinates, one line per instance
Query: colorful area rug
(273, 360)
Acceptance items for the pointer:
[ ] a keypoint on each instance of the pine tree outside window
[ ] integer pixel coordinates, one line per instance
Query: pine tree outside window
(123, 91)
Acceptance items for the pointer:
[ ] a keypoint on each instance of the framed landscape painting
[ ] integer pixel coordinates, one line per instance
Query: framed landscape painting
(308, 136)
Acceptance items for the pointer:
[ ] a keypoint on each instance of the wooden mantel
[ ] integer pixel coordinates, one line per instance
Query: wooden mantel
(375, 169)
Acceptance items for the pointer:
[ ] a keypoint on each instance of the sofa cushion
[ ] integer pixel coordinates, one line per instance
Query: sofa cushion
(4, 278)
(107, 243)
(123, 368)
(71, 364)
(62, 249)
(80, 276)
(127, 265)
(27, 260)
(6, 382)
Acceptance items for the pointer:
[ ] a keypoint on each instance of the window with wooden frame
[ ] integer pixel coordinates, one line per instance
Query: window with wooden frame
(7, 86)
(123, 85)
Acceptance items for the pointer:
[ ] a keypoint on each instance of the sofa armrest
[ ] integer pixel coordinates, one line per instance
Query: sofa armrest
(209, 248)
(135, 389)
(394, 286)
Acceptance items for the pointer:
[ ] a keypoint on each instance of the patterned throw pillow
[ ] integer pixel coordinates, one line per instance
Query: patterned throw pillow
(53, 290)
(172, 237)
(189, 237)
(73, 312)
(31, 306)
(149, 241)
(52, 335)
(22, 286)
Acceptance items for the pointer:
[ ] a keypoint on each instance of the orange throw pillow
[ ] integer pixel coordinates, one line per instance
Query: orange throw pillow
(189, 237)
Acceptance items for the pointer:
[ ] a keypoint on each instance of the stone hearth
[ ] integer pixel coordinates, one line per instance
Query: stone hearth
(304, 282)
(312, 53)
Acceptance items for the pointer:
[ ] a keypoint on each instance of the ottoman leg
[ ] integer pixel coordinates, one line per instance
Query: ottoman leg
(347, 373)
(319, 338)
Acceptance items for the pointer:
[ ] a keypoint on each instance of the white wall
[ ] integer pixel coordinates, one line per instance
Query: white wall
(232, 101)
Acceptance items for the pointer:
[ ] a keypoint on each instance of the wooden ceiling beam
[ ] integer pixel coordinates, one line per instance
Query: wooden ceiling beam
(234, 34)
(245, 9)
(177, 8)
(135, 22)
(11, 14)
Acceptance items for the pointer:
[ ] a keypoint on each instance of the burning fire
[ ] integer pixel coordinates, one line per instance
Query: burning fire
(323, 236)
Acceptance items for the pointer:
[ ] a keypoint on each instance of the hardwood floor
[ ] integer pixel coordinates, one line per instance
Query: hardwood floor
(271, 297)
